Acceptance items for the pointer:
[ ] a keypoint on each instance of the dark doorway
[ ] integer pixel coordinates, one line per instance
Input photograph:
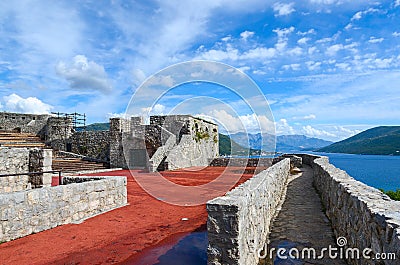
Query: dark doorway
(69, 147)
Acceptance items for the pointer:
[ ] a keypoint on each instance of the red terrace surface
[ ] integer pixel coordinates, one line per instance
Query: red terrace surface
(118, 235)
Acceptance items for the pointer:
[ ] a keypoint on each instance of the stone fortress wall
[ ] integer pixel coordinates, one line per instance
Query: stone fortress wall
(168, 142)
(239, 222)
(24, 160)
(27, 123)
(365, 216)
(32, 211)
(93, 144)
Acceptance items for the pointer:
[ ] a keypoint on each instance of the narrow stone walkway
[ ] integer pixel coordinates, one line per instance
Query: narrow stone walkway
(300, 224)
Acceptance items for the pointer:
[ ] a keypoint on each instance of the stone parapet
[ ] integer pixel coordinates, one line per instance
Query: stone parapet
(24, 160)
(241, 162)
(239, 222)
(31, 211)
(366, 217)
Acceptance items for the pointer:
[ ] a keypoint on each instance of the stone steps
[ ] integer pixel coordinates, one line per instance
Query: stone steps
(75, 165)
(18, 140)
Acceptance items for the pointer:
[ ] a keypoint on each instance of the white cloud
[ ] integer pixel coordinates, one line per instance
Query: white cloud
(118, 115)
(313, 132)
(138, 76)
(332, 50)
(303, 40)
(244, 68)
(283, 127)
(33, 105)
(233, 54)
(310, 31)
(84, 74)
(246, 34)
(259, 72)
(360, 14)
(295, 51)
(326, 2)
(311, 65)
(396, 34)
(343, 66)
(220, 55)
(357, 16)
(383, 63)
(312, 50)
(348, 26)
(375, 40)
(294, 67)
(158, 109)
(282, 37)
(259, 52)
(396, 3)
(162, 80)
(241, 123)
(282, 9)
(324, 40)
(306, 117)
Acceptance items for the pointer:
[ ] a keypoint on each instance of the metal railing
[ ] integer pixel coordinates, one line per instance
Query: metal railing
(35, 173)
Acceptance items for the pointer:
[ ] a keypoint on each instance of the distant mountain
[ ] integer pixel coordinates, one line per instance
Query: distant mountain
(290, 143)
(229, 147)
(284, 143)
(96, 127)
(383, 140)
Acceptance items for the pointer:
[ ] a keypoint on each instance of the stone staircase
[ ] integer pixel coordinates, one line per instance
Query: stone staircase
(70, 164)
(23, 140)
(60, 162)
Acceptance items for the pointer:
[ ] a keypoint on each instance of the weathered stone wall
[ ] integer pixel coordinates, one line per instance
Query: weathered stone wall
(295, 161)
(26, 212)
(93, 144)
(23, 160)
(58, 131)
(241, 162)
(197, 142)
(366, 217)
(239, 222)
(27, 123)
(14, 160)
(40, 160)
(118, 126)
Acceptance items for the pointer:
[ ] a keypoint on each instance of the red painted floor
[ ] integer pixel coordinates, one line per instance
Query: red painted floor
(118, 235)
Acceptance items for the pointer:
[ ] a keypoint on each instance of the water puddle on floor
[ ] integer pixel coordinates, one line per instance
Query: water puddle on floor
(186, 249)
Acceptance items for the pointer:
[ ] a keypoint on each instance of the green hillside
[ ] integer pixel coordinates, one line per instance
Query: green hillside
(229, 147)
(96, 127)
(383, 140)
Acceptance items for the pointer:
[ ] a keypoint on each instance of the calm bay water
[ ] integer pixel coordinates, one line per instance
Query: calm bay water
(382, 172)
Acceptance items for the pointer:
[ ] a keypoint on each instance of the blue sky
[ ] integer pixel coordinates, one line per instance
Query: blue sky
(328, 68)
